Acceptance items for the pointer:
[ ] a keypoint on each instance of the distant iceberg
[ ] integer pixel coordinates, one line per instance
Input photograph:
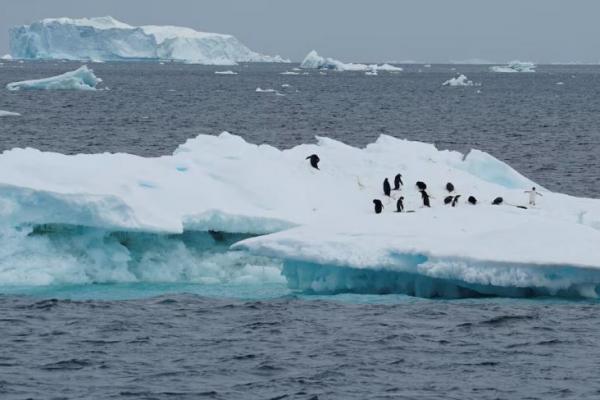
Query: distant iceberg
(314, 61)
(8, 114)
(6, 57)
(460, 80)
(107, 39)
(514, 66)
(82, 78)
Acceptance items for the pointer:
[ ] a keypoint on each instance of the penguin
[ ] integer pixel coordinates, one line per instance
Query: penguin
(455, 201)
(378, 206)
(387, 189)
(497, 201)
(398, 181)
(450, 187)
(421, 185)
(314, 160)
(448, 199)
(425, 198)
(472, 200)
(400, 204)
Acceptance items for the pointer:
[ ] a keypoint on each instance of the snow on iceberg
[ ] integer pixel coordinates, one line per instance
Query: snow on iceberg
(82, 78)
(514, 66)
(460, 80)
(314, 61)
(4, 113)
(107, 39)
(221, 209)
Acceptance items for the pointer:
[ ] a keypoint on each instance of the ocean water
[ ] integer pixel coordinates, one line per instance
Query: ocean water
(259, 340)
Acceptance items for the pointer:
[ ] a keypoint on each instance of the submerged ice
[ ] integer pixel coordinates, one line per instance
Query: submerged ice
(107, 39)
(223, 210)
(82, 78)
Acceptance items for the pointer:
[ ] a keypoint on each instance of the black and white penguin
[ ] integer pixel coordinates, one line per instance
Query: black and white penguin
(472, 200)
(425, 197)
(400, 204)
(497, 201)
(421, 185)
(448, 199)
(378, 206)
(387, 189)
(314, 160)
(398, 182)
(455, 201)
(450, 187)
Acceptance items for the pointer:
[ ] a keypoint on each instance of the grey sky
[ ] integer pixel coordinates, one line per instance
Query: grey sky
(360, 30)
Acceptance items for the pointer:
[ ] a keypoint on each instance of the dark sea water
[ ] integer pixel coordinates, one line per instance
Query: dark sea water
(192, 341)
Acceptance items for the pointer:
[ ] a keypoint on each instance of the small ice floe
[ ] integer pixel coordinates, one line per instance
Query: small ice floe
(371, 73)
(427, 65)
(460, 80)
(289, 73)
(6, 57)
(9, 114)
(560, 83)
(82, 78)
(285, 85)
(260, 90)
(228, 72)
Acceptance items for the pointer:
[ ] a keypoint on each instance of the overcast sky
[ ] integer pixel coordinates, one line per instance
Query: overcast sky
(360, 30)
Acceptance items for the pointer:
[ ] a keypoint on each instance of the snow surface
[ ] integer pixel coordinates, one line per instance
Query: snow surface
(116, 214)
(82, 78)
(314, 61)
(4, 113)
(460, 80)
(514, 66)
(107, 39)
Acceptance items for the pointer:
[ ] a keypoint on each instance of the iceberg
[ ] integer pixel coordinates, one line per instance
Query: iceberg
(4, 113)
(82, 78)
(6, 57)
(460, 80)
(314, 61)
(514, 66)
(107, 39)
(220, 209)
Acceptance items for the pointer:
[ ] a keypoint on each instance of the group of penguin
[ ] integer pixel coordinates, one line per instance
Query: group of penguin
(422, 187)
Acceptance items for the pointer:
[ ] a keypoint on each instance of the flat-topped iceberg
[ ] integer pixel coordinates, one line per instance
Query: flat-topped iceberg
(107, 39)
(314, 61)
(220, 208)
(514, 66)
(82, 78)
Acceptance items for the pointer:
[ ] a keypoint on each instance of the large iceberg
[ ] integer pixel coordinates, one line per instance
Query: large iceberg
(107, 39)
(82, 78)
(314, 61)
(221, 209)
(514, 66)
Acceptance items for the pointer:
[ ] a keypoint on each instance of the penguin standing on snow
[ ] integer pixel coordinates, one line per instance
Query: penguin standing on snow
(450, 187)
(448, 199)
(421, 185)
(398, 181)
(455, 201)
(378, 206)
(425, 197)
(472, 200)
(314, 160)
(497, 201)
(400, 204)
(387, 189)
